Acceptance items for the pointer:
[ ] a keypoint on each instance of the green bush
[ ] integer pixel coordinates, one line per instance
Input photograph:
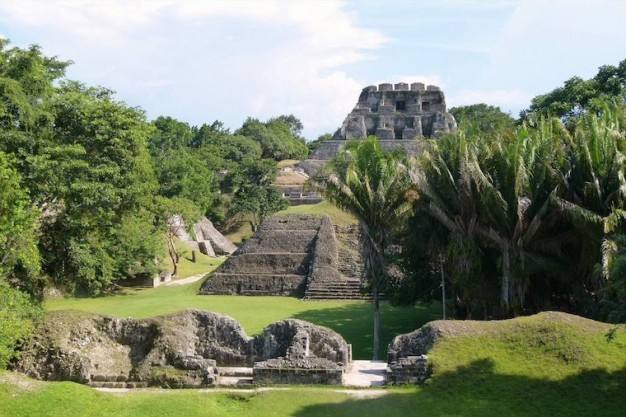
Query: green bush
(18, 317)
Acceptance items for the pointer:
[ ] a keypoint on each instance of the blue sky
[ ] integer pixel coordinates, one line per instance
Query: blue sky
(201, 61)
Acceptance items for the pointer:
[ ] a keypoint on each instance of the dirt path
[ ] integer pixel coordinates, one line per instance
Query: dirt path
(187, 280)
(357, 393)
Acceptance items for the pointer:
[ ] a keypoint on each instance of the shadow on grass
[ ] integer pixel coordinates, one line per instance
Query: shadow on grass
(476, 390)
(355, 323)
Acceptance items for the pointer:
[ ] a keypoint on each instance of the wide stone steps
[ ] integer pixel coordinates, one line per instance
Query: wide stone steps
(118, 385)
(237, 376)
(335, 290)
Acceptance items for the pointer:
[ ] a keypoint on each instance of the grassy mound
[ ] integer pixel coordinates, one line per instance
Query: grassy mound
(551, 364)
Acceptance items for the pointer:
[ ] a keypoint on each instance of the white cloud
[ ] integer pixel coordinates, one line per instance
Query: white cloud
(200, 61)
(543, 43)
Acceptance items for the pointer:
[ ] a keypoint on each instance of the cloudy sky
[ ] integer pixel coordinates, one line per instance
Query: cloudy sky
(201, 61)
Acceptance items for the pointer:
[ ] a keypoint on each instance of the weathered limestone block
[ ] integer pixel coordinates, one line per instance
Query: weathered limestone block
(206, 248)
(418, 342)
(409, 370)
(284, 372)
(299, 339)
(354, 127)
(409, 133)
(254, 284)
(384, 133)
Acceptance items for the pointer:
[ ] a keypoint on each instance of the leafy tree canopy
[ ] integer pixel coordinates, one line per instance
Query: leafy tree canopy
(568, 101)
(482, 118)
(279, 137)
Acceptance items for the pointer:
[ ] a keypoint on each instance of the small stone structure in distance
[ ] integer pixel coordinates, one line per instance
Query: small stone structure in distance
(303, 256)
(204, 238)
(397, 114)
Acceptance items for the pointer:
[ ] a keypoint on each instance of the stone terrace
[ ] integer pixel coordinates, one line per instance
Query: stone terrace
(296, 255)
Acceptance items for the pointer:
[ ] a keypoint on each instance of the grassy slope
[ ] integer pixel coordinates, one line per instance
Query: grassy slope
(353, 319)
(537, 366)
(186, 268)
(337, 216)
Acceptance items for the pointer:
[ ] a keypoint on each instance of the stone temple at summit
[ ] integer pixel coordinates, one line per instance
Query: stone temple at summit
(397, 114)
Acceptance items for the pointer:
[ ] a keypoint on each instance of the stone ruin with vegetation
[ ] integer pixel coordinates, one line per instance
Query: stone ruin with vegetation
(181, 350)
(303, 256)
(204, 237)
(397, 114)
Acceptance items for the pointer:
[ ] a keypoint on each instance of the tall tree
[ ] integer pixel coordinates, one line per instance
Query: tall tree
(373, 185)
(279, 137)
(595, 197)
(483, 119)
(576, 95)
(444, 178)
(19, 255)
(253, 192)
(517, 185)
(108, 178)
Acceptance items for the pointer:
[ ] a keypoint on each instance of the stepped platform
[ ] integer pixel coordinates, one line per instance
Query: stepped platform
(297, 255)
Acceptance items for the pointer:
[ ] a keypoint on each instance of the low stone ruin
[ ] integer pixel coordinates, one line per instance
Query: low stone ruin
(180, 350)
(205, 238)
(298, 352)
(295, 255)
(407, 362)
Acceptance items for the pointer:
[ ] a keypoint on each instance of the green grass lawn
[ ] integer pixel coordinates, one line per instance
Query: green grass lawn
(352, 319)
(241, 233)
(529, 367)
(186, 268)
(337, 216)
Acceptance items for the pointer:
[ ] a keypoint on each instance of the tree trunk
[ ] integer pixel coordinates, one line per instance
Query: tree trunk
(506, 277)
(171, 249)
(175, 272)
(376, 324)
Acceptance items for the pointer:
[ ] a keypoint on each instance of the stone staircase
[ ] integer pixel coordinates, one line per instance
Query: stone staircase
(114, 381)
(235, 376)
(344, 289)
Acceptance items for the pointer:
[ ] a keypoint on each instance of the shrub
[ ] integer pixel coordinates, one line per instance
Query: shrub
(18, 318)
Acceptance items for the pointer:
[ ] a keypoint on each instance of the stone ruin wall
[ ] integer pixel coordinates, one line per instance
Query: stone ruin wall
(180, 350)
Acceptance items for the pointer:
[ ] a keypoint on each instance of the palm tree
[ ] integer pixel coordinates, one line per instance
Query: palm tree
(372, 185)
(595, 196)
(448, 194)
(518, 183)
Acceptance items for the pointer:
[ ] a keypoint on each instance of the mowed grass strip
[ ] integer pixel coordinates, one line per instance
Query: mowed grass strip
(534, 366)
(352, 319)
(337, 216)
